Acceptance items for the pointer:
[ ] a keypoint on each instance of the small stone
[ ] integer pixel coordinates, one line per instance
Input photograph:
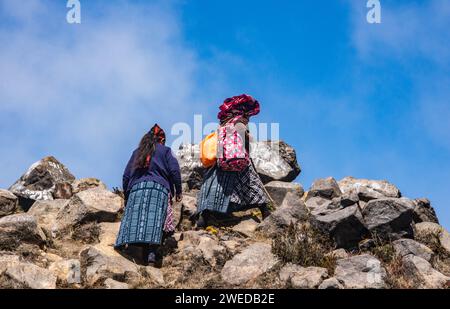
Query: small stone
(302, 277)
(279, 189)
(248, 265)
(339, 254)
(189, 205)
(327, 188)
(330, 284)
(368, 190)
(422, 273)
(8, 203)
(424, 212)
(428, 232)
(231, 245)
(29, 275)
(202, 245)
(63, 190)
(361, 272)
(67, 271)
(154, 275)
(86, 184)
(349, 198)
(404, 247)
(246, 227)
(115, 285)
(291, 211)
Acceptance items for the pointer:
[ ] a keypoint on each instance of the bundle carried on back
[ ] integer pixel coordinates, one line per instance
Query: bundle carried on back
(208, 150)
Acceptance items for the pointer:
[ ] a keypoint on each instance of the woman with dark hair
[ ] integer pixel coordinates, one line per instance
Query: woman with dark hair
(152, 176)
(227, 188)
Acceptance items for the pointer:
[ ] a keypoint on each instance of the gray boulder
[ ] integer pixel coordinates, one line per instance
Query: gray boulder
(40, 180)
(103, 261)
(338, 254)
(8, 203)
(184, 210)
(404, 247)
(360, 272)
(67, 271)
(330, 284)
(246, 227)
(84, 184)
(18, 228)
(422, 274)
(292, 210)
(97, 265)
(300, 277)
(45, 213)
(275, 160)
(424, 212)
(112, 284)
(189, 205)
(321, 206)
(154, 276)
(96, 204)
(191, 168)
(63, 190)
(326, 188)
(345, 226)
(432, 233)
(26, 275)
(348, 199)
(278, 190)
(389, 218)
(369, 189)
(199, 244)
(248, 265)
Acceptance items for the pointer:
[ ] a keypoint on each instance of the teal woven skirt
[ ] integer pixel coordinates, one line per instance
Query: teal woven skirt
(145, 214)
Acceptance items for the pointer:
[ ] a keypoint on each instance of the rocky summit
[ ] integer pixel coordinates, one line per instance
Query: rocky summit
(57, 231)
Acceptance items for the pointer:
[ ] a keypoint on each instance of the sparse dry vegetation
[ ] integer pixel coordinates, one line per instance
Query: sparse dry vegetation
(304, 245)
(7, 283)
(87, 233)
(383, 249)
(395, 273)
(441, 258)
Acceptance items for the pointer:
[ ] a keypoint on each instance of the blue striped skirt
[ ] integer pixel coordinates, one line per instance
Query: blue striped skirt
(145, 214)
(216, 190)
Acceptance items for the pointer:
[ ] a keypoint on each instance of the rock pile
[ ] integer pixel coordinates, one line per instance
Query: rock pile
(57, 231)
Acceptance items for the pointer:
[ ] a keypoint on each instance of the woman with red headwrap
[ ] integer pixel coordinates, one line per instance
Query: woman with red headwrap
(224, 191)
(152, 176)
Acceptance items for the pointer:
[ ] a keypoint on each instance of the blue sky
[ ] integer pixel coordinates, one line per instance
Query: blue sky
(353, 98)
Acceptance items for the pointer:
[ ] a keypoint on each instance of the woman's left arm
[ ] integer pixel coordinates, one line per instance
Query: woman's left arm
(127, 176)
(175, 173)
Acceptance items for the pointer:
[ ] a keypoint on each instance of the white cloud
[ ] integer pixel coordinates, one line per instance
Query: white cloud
(415, 36)
(86, 93)
(407, 30)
